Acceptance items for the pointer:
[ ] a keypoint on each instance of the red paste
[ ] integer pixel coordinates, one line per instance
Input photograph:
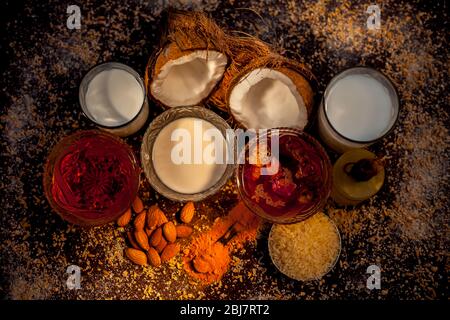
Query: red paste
(94, 177)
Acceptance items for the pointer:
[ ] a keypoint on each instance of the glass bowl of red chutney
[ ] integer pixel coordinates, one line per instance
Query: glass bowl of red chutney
(284, 183)
(91, 177)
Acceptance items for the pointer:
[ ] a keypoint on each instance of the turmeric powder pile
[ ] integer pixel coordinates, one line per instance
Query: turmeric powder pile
(208, 256)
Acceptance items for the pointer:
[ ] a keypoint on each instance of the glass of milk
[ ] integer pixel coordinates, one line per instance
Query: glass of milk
(185, 153)
(113, 96)
(359, 107)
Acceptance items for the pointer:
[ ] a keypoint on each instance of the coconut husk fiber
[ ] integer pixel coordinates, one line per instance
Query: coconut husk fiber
(194, 30)
(243, 50)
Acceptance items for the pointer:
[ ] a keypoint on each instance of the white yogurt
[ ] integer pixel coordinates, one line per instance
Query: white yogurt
(182, 154)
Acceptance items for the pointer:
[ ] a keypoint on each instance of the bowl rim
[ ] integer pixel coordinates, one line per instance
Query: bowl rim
(153, 131)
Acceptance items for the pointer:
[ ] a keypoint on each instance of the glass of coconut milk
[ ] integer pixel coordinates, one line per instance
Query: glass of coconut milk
(113, 96)
(359, 107)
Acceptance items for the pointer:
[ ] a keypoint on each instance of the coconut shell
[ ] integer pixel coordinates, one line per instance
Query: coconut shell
(301, 75)
(148, 75)
(304, 87)
(243, 50)
(157, 62)
(184, 33)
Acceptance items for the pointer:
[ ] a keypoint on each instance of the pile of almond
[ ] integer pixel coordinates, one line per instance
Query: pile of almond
(153, 237)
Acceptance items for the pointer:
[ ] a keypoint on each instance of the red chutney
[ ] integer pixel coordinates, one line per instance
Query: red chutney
(94, 177)
(296, 187)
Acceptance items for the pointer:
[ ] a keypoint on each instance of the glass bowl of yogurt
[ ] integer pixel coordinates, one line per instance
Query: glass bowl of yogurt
(186, 155)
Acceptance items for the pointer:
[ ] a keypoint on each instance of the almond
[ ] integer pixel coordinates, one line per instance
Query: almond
(152, 217)
(148, 232)
(136, 256)
(156, 237)
(170, 232)
(161, 245)
(132, 241)
(141, 239)
(155, 217)
(170, 251)
(187, 213)
(184, 231)
(153, 257)
(124, 219)
(139, 221)
(138, 205)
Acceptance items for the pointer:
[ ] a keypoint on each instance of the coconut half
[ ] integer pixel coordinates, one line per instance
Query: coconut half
(270, 95)
(186, 78)
(191, 61)
(267, 98)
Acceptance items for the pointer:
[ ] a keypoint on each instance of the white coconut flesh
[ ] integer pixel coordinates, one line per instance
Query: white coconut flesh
(189, 79)
(267, 98)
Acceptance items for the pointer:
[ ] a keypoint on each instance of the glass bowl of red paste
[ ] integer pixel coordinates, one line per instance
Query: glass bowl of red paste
(287, 186)
(91, 178)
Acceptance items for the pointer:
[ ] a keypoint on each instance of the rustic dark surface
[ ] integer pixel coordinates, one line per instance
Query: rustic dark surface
(404, 229)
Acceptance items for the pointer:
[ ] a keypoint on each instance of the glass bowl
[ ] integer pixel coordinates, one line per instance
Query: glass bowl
(337, 140)
(91, 177)
(294, 212)
(152, 132)
(287, 273)
(125, 127)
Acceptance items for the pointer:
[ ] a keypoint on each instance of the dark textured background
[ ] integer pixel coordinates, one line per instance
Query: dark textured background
(404, 229)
